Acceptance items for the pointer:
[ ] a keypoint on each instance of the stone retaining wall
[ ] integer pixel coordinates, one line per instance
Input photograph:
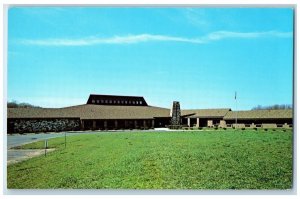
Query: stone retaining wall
(42, 125)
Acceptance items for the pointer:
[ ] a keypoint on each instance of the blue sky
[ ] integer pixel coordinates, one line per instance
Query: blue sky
(57, 56)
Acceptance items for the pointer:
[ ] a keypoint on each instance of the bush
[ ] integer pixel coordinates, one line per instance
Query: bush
(199, 128)
(243, 129)
(225, 128)
(216, 128)
(174, 126)
(266, 129)
(255, 128)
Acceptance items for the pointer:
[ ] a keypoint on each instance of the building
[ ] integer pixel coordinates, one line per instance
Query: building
(110, 112)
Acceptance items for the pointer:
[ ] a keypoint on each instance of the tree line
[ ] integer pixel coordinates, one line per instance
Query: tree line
(273, 107)
(14, 104)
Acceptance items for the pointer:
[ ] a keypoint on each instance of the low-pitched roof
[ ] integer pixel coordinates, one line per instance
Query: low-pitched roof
(89, 111)
(205, 113)
(260, 114)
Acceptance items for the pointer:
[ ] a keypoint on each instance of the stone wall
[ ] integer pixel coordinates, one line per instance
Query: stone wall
(210, 123)
(42, 125)
(222, 124)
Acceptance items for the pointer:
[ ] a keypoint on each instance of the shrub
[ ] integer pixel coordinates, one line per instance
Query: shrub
(216, 128)
(243, 128)
(199, 128)
(255, 128)
(225, 128)
(174, 126)
(266, 129)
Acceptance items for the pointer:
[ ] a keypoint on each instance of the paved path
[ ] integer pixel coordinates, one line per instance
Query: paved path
(18, 155)
(18, 140)
(14, 156)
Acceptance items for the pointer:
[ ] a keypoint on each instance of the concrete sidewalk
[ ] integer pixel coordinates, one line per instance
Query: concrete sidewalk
(19, 155)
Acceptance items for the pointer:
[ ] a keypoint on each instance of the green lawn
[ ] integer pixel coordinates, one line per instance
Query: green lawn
(220, 159)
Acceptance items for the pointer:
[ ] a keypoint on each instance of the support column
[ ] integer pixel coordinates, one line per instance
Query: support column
(198, 122)
(126, 124)
(152, 124)
(189, 122)
(116, 124)
(145, 124)
(94, 124)
(135, 124)
(210, 123)
(105, 124)
(82, 124)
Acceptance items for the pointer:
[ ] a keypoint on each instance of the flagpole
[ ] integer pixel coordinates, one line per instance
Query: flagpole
(235, 111)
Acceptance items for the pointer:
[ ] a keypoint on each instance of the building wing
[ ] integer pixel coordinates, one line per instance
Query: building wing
(259, 114)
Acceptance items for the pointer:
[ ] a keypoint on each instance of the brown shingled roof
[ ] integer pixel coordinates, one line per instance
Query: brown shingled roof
(89, 111)
(260, 114)
(205, 113)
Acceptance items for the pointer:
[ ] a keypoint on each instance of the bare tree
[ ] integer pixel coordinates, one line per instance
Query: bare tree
(273, 107)
(15, 104)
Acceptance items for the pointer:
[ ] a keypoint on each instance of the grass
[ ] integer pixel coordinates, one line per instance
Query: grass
(216, 159)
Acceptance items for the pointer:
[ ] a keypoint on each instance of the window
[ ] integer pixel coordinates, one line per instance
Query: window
(129, 102)
(106, 101)
(125, 101)
(97, 101)
(133, 102)
(118, 101)
(93, 101)
(114, 101)
(102, 101)
(141, 102)
(110, 101)
(122, 102)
